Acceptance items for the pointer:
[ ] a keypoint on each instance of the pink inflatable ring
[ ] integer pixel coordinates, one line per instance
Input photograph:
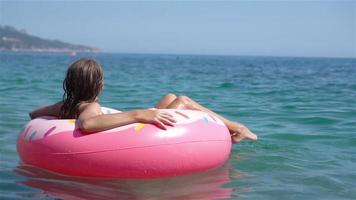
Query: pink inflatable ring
(197, 142)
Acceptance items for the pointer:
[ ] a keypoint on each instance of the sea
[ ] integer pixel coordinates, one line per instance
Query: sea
(302, 109)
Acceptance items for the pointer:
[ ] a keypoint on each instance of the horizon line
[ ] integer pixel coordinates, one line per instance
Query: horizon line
(180, 54)
(227, 55)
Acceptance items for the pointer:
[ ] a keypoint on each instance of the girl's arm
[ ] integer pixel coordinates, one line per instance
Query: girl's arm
(51, 110)
(91, 118)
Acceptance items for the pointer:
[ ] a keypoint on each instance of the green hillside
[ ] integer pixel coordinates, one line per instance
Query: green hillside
(12, 39)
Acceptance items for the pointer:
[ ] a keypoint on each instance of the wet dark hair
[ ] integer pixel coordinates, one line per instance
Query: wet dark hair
(83, 83)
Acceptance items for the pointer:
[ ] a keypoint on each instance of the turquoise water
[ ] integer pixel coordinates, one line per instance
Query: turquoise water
(302, 109)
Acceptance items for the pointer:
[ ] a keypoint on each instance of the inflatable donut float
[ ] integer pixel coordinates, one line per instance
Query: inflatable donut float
(197, 142)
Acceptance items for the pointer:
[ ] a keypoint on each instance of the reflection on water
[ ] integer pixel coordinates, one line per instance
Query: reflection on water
(204, 185)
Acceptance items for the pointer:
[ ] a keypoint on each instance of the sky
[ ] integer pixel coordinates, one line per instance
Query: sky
(266, 28)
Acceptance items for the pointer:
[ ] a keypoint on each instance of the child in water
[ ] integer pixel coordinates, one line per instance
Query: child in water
(82, 86)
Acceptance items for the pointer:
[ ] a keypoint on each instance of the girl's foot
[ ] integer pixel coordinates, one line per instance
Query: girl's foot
(240, 133)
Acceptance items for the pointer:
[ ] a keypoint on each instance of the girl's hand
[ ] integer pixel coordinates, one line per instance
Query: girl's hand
(156, 117)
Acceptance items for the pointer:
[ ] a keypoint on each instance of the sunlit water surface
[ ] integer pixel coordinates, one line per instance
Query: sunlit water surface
(303, 110)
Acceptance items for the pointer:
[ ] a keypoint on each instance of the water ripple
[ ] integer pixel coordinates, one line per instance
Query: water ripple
(303, 110)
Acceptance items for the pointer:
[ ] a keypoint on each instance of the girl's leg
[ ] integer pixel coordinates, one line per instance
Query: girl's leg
(165, 101)
(238, 131)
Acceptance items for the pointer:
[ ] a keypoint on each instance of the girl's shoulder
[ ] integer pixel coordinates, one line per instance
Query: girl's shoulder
(50, 110)
(91, 107)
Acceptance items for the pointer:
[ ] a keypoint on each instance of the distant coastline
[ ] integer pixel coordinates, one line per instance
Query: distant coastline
(14, 40)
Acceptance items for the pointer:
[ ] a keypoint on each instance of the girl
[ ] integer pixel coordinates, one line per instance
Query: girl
(82, 86)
